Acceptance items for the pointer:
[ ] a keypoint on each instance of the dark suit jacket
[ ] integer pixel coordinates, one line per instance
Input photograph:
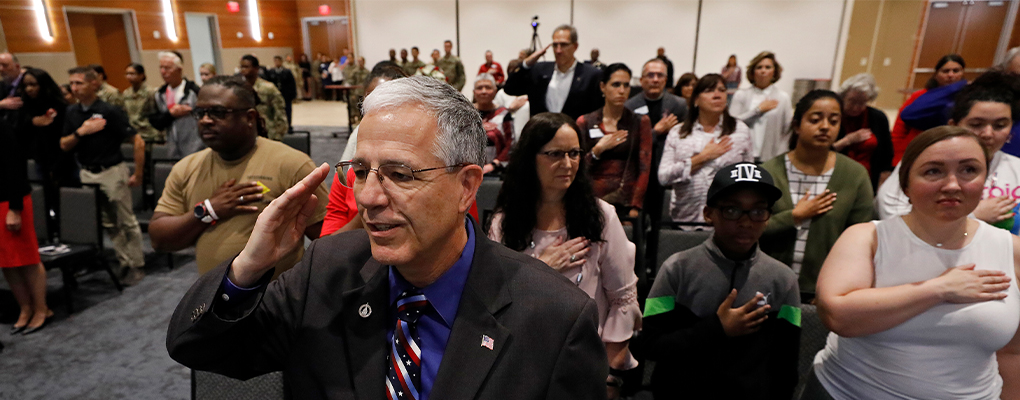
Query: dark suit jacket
(307, 323)
(585, 95)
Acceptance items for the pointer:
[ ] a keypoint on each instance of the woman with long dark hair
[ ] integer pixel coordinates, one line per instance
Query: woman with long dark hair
(621, 145)
(548, 210)
(708, 140)
(948, 70)
(40, 126)
(824, 192)
(685, 86)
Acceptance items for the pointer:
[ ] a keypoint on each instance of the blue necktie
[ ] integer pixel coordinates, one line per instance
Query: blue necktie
(403, 382)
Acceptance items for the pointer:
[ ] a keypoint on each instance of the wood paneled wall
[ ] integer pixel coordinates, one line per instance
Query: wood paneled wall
(278, 16)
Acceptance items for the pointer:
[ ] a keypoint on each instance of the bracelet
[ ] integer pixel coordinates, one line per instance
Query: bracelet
(212, 213)
(593, 156)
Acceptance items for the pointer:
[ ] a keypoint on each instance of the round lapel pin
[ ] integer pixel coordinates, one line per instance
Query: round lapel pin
(365, 310)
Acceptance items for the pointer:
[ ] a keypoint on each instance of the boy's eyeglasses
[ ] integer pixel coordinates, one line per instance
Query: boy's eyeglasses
(735, 213)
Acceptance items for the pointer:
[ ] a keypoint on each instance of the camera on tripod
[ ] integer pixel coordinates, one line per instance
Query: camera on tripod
(534, 22)
(535, 43)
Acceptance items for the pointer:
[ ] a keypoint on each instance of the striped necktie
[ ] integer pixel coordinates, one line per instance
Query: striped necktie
(403, 382)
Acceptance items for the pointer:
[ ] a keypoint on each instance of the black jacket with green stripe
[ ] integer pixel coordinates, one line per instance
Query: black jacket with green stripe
(683, 335)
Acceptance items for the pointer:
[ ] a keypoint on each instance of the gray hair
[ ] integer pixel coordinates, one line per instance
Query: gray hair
(1010, 56)
(567, 27)
(461, 138)
(485, 76)
(863, 82)
(173, 57)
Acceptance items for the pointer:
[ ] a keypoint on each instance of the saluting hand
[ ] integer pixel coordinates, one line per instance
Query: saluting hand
(279, 228)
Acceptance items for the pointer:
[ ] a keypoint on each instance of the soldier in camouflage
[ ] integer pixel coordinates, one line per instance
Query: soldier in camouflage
(271, 105)
(411, 67)
(452, 67)
(139, 103)
(357, 75)
(107, 92)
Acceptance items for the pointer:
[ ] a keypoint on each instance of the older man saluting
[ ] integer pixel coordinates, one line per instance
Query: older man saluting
(565, 86)
(418, 305)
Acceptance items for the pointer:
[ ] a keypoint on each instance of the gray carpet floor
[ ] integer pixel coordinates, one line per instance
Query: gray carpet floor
(114, 345)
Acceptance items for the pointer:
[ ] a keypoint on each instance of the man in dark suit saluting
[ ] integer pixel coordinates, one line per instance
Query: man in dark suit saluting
(565, 86)
(418, 305)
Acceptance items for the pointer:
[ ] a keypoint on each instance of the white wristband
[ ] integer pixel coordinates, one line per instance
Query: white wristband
(212, 213)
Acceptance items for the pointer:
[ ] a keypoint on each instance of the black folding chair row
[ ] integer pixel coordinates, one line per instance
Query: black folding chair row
(81, 231)
(299, 140)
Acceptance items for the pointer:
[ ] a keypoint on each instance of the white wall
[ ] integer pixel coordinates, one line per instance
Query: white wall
(504, 27)
(803, 33)
(631, 31)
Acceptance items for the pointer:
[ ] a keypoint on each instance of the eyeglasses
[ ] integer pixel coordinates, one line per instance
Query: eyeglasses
(214, 112)
(398, 174)
(558, 154)
(653, 75)
(735, 213)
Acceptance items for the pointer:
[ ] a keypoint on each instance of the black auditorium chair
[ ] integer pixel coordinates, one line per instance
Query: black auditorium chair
(81, 230)
(299, 140)
(160, 172)
(672, 241)
(812, 340)
(486, 200)
(213, 386)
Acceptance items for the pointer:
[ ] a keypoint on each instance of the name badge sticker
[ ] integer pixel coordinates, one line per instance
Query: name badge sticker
(643, 110)
(595, 133)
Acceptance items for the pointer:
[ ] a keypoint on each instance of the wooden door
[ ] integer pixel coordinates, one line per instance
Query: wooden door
(970, 28)
(329, 37)
(101, 39)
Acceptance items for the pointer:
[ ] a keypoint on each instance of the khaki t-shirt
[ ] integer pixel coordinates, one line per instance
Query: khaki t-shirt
(197, 176)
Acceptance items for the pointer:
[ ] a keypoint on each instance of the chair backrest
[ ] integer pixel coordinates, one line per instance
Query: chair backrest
(128, 151)
(813, 334)
(40, 214)
(672, 241)
(486, 199)
(161, 152)
(33, 172)
(160, 171)
(80, 221)
(213, 386)
(299, 141)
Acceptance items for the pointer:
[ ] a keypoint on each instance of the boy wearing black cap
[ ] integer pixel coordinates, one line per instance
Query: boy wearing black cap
(722, 319)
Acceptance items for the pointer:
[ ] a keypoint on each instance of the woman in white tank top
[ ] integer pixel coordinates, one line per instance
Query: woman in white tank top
(924, 306)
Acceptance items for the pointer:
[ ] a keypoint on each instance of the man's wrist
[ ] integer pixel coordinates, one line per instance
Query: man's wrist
(241, 272)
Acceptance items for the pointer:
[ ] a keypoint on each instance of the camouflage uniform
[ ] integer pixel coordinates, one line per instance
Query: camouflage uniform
(109, 94)
(412, 66)
(357, 76)
(139, 105)
(271, 107)
(454, 71)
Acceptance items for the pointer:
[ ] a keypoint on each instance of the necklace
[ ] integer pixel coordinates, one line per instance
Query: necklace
(940, 244)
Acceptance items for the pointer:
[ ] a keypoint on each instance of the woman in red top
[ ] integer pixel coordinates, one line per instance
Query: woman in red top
(864, 133)
(948, 70)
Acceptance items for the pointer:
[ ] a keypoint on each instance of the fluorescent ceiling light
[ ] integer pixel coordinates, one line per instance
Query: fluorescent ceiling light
(42, 20)
(168, 17)
(253, 20)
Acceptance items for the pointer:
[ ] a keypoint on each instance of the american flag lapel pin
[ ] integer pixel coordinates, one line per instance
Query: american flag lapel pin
(487, 342)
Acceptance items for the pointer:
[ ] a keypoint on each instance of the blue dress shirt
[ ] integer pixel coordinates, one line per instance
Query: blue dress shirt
(444, 299)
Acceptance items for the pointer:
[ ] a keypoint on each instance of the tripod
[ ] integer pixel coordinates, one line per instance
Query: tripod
(536, 43)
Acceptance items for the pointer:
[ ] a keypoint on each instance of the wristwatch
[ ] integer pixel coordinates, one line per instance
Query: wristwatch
(204, 212)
